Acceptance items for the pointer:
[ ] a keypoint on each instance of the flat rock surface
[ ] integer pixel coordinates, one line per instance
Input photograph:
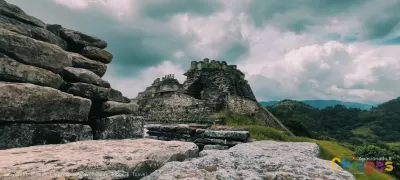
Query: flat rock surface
(31, 31)
(13, 11)
(79, 61)
(24, 102)
(74, 75)
(97, 54)
(96, 92)
(14, 71)
(122, 126)
(33, 52)
(94, 159)
(23, 135)
(254, 161)
(77, 40)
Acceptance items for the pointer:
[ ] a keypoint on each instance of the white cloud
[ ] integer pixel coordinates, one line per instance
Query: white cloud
(132, 86)
(119, 8)
(279, 63)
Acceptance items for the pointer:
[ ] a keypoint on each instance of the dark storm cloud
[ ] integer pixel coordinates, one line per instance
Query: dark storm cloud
(296, 15)
(383, 22)
(234, 52)
(134, 45)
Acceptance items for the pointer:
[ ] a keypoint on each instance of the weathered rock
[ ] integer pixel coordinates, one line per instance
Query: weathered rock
(215, 147)
(31, 103)
(96, 92)
(118, 127)
(110, 108)
(258, 160)
(77, 40)
(93, 160)
(211, 141)
(13, 71)
(31, 31)
(75, 75)
(79, 61)
(33, 52)
(97, 54)
(232, 135)
(23, 135)
(54, 28)
(13, 11)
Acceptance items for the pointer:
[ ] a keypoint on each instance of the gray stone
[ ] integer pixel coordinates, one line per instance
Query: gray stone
(23, 135)
(97, 54)
(75, 75)
(33, 52)
(258, 161)
(31, 31)
(118, 127)
(93, 160)
(79, 61)
(13, 11)
(23, 102)
(77, 40)
(96, 92)
(13, 71)
(110, 108)
(232, 135)
(211, 141)
(215, 147)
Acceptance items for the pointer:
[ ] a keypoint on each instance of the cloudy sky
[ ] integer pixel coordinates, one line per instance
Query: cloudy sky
(289, 49)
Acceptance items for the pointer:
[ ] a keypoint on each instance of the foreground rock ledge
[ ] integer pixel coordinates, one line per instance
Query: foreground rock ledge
(93, 160)
(258, 161)
(24, 102)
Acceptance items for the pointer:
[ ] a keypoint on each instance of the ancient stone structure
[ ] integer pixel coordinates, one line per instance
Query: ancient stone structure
(210, 87)
(51, 89)
(204, 136)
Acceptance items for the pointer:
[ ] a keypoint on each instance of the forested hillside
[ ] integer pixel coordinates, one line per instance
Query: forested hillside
(374, 132)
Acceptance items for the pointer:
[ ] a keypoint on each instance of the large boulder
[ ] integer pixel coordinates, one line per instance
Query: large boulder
(93, 160)
(96, 92)
(75, 75)
(79, 61)
(23, 135)
(118, 127)
(13, 71)
(97, 54)
(111, 108)
(257, 160)
(13, 11)
(23, 102)
(33, 52)
(31, 31)
(77, 40)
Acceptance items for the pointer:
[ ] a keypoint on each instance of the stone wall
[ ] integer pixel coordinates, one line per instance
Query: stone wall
(51, 89)
(204, 136)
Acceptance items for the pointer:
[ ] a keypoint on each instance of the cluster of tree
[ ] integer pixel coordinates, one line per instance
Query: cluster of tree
(381, 123)
(361, 130)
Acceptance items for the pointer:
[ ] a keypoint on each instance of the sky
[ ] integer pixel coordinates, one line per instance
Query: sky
(288, 49)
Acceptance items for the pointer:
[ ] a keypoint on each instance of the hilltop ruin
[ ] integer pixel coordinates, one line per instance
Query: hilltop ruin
(210, 87)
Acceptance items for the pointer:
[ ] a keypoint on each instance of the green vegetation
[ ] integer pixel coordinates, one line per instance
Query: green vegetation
(328, 149)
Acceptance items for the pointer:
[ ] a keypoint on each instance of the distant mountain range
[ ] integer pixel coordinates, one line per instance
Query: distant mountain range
(320, 104)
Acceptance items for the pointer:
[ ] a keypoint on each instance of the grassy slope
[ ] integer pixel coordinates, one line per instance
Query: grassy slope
(328, 149)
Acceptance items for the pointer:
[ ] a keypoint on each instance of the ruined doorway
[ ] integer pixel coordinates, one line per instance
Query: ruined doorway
(195, 89)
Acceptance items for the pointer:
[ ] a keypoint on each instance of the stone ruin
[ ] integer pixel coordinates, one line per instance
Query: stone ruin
(51, 89)
(211, 87)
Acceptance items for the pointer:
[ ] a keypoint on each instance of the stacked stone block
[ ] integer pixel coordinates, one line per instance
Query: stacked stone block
(51, 89)
(204, 136)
